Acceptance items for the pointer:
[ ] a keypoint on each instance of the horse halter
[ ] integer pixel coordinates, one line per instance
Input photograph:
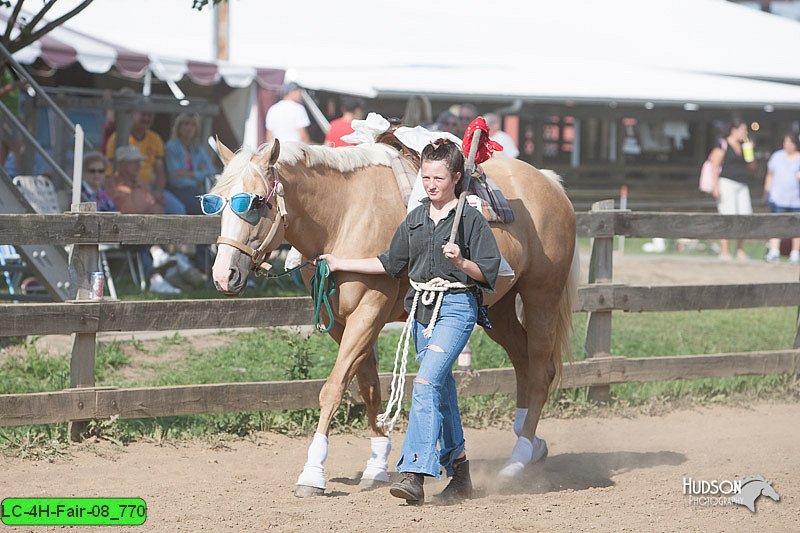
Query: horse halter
(259, 255)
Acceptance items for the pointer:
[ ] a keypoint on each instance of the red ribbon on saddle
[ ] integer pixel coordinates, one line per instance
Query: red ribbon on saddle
(486, 147)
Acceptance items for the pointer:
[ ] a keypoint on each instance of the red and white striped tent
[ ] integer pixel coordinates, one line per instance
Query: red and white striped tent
(64, 47)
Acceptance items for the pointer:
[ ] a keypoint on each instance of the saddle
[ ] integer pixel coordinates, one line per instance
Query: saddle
(490, 199)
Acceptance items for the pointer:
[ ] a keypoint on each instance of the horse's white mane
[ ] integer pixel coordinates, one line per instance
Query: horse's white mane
(343, 159)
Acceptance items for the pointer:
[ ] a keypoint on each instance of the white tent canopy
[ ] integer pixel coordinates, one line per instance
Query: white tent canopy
(558, 82)
(661, 51)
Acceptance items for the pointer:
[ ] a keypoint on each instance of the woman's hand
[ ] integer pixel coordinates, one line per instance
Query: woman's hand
(453, 253)
(333, 261)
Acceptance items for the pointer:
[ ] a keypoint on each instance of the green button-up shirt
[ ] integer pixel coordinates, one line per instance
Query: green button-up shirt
(417, 247)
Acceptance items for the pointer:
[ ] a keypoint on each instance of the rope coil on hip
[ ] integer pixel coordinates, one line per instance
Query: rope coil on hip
(427, 293)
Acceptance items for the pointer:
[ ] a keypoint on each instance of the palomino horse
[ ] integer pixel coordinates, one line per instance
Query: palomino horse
(346, 201)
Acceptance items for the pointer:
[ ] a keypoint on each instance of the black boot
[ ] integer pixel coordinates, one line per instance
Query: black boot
(409, 488)
(460, 486)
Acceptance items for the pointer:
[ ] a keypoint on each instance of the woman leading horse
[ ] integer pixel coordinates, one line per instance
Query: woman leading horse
(346, 202)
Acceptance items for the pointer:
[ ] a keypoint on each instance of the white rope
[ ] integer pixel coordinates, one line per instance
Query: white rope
(425, 292)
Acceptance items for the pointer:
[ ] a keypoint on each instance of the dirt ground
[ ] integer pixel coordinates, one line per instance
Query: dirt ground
(603, 473)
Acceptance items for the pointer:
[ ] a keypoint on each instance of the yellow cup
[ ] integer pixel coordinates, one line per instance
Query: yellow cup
(747, 152)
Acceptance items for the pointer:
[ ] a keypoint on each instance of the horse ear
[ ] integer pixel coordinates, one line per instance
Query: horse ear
(224, 152)
(269, 155)
(275, 152)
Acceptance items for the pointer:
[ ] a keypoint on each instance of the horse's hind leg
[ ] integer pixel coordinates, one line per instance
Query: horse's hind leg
(510, 334)
(541, 316)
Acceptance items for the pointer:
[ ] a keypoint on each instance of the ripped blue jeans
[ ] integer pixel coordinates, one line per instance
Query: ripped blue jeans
(434, 415)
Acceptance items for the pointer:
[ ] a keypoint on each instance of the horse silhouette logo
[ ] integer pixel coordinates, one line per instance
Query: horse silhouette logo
(752, 488)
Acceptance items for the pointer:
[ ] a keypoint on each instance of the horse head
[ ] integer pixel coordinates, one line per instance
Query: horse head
(769, 491)
(249, 197)
(752, 488)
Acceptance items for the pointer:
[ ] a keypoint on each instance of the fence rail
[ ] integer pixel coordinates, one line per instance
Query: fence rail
(97, 228)
(104, 402)
(166, 315)
(600, 298)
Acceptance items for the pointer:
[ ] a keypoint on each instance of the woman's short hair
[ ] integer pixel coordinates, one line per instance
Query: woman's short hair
(93, 156)
(185, 117)
(448, 153)
(792, 136)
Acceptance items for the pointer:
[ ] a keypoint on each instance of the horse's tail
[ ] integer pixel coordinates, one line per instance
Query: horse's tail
(562, 345)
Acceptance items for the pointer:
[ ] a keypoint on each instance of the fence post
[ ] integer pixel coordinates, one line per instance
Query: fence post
(83, 260)
(598, 326)
(797, 330)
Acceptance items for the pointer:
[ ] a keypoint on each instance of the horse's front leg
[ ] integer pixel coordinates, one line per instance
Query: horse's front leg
(356, 345)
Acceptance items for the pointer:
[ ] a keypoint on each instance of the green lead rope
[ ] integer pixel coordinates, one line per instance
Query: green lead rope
(322, 288)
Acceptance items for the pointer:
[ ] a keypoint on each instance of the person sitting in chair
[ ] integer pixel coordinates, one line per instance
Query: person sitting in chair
(131, 196)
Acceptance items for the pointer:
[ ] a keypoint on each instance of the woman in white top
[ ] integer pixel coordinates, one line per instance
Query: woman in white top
(782, 187)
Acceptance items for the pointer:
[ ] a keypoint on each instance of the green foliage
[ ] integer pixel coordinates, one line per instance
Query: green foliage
(300, 356)
(34, 371)
(38, 443)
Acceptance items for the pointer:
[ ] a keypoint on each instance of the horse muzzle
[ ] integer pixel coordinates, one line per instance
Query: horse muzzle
(235, 284)
(231, 281)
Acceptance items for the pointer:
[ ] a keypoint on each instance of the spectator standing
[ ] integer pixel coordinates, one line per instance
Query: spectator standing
(152, 172)
(782, 187)
(447, 121)
(466, 114)
(95, 168)
(352, 108)
(288, 120)
(496, 134)
(730, 189)
(188, 162)
(10, 140)
(418, 112)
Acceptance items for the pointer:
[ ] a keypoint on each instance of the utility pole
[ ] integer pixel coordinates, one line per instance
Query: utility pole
(221, 30)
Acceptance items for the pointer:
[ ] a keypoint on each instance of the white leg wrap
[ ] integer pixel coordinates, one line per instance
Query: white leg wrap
(524, 452)
(313, 474)
(519, 420)
(378, 464)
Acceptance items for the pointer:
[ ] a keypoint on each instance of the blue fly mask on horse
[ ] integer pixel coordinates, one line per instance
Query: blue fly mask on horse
(255, 221)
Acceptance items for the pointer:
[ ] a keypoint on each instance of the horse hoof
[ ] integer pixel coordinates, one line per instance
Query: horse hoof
(304, 491)
(541, 454)
(371, 484)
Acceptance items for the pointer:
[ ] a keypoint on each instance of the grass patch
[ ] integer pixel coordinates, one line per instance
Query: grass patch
(269, 355)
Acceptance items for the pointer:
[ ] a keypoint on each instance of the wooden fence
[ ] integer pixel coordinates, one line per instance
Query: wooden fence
(83, 401)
